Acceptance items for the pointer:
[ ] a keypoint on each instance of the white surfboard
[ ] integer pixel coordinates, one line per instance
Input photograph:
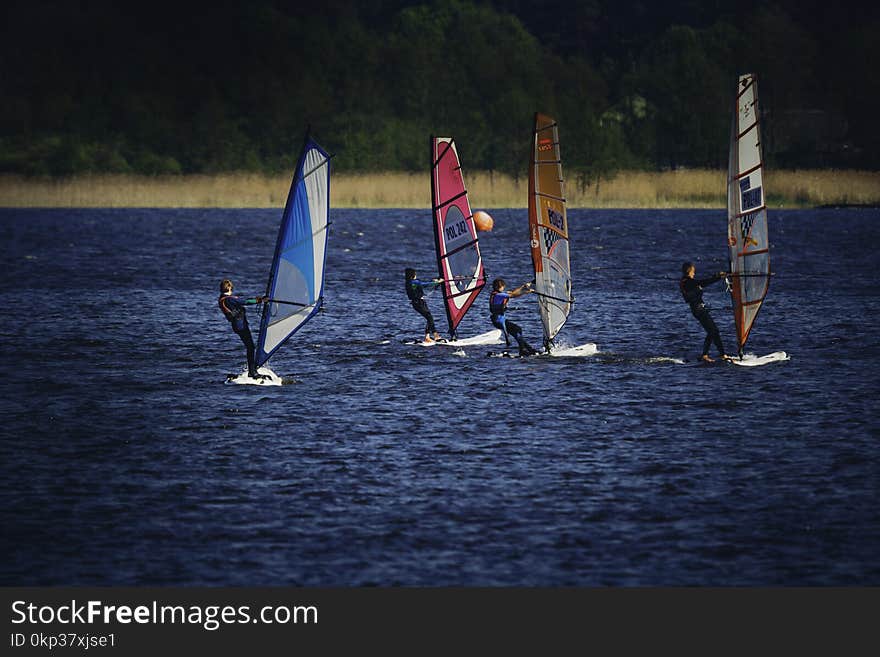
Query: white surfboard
(243, 379)
(587, 349)
(751, 360)
(491, 337)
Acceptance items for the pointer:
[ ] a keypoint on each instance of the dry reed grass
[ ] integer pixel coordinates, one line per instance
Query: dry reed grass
(692, 188)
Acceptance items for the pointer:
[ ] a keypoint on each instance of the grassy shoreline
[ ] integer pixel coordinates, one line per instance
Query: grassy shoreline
(691, 188)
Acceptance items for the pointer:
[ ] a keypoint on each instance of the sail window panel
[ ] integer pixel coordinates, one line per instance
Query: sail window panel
(292, 285)
(751, 192)
(554, 283)
(749, 153)
(317, 192)
(462, 268)
(746, 107)
(553, 277)
(278, 331)
(296, 245)
(748, 146)
(753, 230)
(547, 159)
(750, 313)
(553, 219)
(754, 285)
(549, 180)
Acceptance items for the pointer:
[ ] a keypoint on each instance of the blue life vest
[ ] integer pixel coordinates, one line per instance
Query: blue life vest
(498, 303)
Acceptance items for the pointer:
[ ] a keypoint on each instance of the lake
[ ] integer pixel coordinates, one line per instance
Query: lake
(127, 461)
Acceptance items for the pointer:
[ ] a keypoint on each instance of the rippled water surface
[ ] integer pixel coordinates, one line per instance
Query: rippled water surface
(126, 460)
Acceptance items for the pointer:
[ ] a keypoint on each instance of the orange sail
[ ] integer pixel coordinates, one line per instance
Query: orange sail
(548, 228)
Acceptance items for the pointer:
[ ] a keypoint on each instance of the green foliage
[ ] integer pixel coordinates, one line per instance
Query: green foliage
(688, 98)
(632, 85)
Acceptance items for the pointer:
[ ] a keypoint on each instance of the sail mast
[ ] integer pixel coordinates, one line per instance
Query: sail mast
(456, 245)
(548, 228)
(747, 238)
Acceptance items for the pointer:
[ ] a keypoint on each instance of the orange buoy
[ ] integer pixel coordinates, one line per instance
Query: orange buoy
(483, 221)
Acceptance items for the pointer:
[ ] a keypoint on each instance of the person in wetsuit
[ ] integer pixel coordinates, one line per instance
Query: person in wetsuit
(498, 307)
(692, 291)
(233, 308)
(415, 291)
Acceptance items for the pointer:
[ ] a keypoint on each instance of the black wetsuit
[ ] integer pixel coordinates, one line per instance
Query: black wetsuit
(692, 291)
(498, 308)
(415, 291)
(233, 309)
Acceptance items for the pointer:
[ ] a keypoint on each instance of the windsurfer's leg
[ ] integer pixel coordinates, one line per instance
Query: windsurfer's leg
(499, 323)
(712, 334)
(524, 347)
(715, 335)
(718, 345)
(422, 308)
(245, 335)
(430, 329)
(706, 343)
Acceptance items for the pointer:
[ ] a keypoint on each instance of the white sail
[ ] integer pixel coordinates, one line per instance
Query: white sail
(747, 239)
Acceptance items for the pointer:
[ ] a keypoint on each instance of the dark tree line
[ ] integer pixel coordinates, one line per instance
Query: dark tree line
(206, 87)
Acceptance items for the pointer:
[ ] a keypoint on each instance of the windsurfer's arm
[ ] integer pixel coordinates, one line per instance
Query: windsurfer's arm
(708, 281)
(525, 288)
(254, 300)
(428, 285)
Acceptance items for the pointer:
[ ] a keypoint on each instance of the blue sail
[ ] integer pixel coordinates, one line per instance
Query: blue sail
(296, 279)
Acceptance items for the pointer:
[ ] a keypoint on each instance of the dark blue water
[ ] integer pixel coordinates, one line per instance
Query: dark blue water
(126, 460)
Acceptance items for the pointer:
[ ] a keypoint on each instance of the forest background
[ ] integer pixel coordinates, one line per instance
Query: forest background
(109, 103)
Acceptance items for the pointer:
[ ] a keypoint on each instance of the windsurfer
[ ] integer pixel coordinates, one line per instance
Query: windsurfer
(415, 291)
(692, 291)
(233, 308)
(498, 307)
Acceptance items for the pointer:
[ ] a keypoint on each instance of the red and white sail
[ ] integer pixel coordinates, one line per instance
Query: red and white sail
(455, 236)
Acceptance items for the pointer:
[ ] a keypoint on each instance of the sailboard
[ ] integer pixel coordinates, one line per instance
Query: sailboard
(267, 378)
(747, 236)
(750, 360)
(548, 228)
(457, 247)
(489, 337)
(295, 288)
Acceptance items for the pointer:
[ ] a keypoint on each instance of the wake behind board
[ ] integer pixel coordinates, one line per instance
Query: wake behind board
(508, 354)
(751, 360)
(580, 351)
(271, 379)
